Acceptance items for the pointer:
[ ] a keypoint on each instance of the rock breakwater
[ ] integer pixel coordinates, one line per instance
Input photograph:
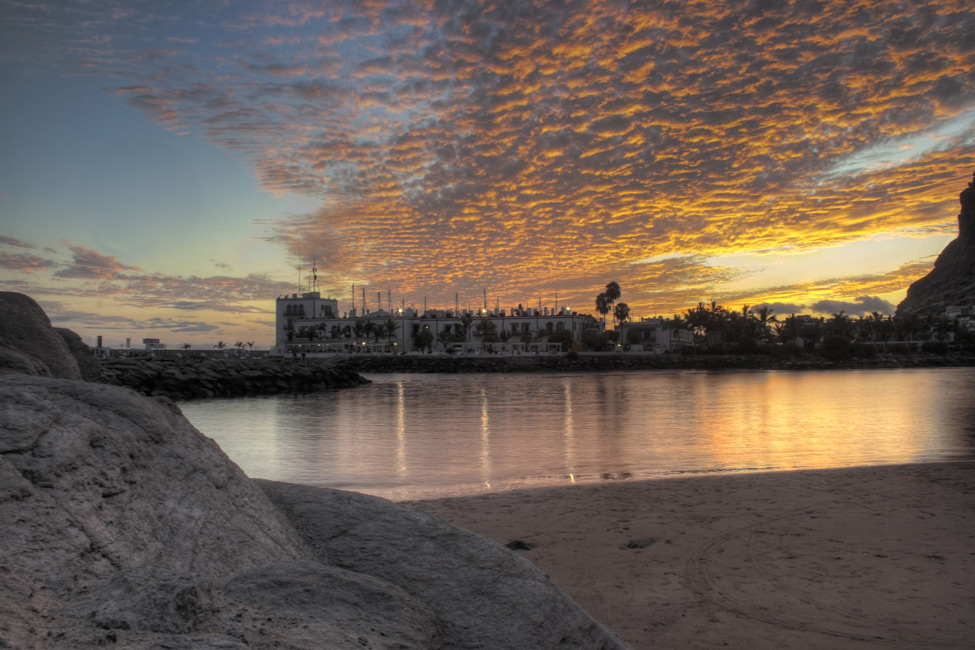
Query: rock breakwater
(183, 379)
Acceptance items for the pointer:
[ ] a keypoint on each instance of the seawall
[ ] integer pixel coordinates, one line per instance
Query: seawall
(183, 379)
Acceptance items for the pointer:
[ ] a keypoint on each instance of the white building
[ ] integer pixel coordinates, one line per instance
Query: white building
(308, 323)
(654, 335)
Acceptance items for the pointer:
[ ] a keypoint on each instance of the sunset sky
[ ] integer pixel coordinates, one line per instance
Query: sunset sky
(165, 167)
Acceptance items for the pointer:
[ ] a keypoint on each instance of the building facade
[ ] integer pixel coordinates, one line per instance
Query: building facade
(307, 323)
(654, 335)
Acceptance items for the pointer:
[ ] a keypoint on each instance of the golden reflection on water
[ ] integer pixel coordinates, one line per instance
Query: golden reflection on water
(568, 433)
(485, 440)
(427, 435)
(813, 422)
(401, 469)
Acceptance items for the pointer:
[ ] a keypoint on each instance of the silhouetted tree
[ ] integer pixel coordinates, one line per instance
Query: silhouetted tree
(602, 306)
(621, 312)
(465, 323)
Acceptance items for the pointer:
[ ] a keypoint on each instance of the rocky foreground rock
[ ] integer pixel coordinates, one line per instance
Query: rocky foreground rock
(121, 525)
(28, 343)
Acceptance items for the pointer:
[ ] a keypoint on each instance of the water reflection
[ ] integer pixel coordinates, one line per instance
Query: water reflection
(407, 436)
(485, 441)
(568, 432)
(401, 469)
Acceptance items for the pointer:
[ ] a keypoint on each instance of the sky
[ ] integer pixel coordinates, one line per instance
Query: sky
(167, 169)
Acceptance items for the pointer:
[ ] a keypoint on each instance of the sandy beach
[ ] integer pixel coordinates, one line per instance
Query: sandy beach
(866, 558)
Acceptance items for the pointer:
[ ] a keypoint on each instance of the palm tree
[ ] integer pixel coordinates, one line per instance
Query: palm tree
(390, 326)
(369, 328)
(360, 328)
(443, 337)
(487, 330)
(613, 293)
(220, 345)
(621, 312)
(602, 306)
(378, 330)
(788, 330)
(716, 318)
(763, 315)
(840, 324)
(465, 322)
(186, 346)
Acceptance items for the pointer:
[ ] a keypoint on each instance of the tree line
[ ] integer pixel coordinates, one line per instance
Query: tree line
(754, 329)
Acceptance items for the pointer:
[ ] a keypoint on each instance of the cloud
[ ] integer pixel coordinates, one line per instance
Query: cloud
(105, 277)
(89, 264)
(178, 326)
(523, 145)
(24, 263)
(863, 305)
(16, 243)
(61, 316)
(781, 308)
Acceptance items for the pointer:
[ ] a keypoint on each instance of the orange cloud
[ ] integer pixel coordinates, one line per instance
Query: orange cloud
(524, 146)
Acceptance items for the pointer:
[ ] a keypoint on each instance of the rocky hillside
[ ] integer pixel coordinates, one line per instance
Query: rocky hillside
(952, 280)
(121, 525)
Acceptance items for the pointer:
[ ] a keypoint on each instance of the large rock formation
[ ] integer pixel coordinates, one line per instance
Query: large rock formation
(87, 362)
(28, 343)
(483, 596)
(121, 524)
(952, 280)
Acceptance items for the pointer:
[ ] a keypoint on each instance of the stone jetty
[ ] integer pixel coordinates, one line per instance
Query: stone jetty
(188, 378)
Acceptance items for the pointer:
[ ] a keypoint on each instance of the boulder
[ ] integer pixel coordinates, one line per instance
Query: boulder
(952, 280)
(28, 343)
(121, 524)
(484, 595)
(87, 363)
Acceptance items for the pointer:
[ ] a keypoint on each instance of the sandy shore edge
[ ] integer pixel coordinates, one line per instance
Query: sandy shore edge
(864, 557)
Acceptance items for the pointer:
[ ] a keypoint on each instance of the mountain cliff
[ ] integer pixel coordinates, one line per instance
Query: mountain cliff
(952, 280)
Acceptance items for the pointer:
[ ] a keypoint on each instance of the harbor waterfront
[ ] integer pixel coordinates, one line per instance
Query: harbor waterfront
(423, 436)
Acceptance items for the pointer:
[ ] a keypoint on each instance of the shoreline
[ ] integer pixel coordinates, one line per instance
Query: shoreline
(602, 362)
(878, 556)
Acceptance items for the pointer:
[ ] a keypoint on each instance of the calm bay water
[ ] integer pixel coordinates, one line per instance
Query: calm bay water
(419, 436)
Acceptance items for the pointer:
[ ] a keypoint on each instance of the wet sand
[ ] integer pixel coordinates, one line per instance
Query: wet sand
(866, 558)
